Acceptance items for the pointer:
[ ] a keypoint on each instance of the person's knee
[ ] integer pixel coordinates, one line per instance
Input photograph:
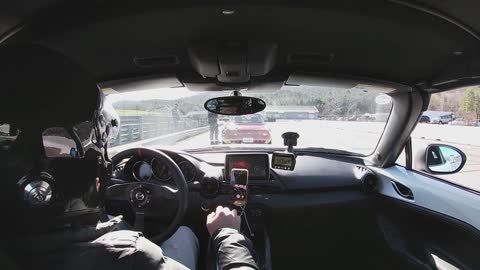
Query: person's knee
(183, 247)
(186, 232)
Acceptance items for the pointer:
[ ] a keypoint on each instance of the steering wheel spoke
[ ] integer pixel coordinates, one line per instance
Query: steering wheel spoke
(118, 192)
(139, 221)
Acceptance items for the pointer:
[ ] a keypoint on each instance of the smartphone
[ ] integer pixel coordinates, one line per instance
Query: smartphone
(239, 182)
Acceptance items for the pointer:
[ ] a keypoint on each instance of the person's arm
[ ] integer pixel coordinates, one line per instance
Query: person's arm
(234, 250)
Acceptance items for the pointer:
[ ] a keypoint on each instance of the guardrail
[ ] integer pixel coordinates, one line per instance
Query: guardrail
(138, 128)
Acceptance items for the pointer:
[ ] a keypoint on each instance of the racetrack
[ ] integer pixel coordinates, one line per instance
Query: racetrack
(362, 137)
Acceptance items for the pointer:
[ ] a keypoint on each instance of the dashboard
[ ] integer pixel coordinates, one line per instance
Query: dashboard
(207, 174)
(290, 207)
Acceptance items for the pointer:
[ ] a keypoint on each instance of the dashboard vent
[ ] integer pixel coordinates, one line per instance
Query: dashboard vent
(369, 182)
(361, 168)
(368, 179)
(209, 187)
(118, 169)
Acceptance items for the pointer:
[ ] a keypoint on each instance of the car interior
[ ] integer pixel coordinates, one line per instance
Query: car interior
(303, 205)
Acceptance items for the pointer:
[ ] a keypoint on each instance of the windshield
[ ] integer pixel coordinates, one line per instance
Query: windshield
(350, 120)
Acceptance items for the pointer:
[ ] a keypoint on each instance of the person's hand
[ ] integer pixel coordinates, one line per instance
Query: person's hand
(223, 217)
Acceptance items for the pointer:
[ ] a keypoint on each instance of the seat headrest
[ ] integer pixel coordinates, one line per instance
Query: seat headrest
(41, 87)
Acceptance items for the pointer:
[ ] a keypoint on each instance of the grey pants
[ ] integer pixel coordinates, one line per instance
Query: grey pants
(182, 247)
(214, 133)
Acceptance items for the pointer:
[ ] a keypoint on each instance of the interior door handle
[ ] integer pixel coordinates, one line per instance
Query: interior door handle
(402, 190)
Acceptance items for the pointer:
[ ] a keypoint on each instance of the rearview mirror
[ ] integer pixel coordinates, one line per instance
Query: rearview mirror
(440, 159)
(235, 105)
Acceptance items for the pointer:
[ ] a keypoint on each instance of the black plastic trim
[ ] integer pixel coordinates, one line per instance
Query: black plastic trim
(440, 15)
(408, 154)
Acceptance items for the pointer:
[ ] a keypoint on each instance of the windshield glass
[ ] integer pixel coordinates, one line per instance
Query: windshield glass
(350, 120)
(254, 119)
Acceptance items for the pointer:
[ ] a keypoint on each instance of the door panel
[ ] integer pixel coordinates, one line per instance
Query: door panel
(435, 195)
(435, 227)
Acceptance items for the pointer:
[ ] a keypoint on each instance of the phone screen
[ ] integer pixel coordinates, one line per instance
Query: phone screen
(239, 182)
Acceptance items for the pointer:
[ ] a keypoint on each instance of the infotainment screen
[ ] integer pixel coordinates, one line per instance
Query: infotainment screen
(257, 164)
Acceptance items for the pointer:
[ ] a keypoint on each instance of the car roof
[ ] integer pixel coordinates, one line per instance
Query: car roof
(431, 44)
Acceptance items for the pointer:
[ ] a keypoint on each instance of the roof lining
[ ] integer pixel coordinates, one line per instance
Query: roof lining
(413, 5)
(440, 15)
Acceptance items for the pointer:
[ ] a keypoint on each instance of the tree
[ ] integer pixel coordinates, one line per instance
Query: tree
(319, 104)
(448, 101)
(471, 101)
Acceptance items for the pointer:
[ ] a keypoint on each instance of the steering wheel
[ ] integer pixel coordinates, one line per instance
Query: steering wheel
(153, 199)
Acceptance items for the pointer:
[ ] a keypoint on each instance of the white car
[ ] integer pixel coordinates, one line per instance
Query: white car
(444, 119)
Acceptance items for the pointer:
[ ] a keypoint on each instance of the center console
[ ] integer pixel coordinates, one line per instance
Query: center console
(242, 173)
(256, 231)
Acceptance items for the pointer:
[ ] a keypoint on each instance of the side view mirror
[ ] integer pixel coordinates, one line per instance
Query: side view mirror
(440, 159)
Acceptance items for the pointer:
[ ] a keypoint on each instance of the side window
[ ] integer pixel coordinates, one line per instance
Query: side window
(452, 118)
(402, 159)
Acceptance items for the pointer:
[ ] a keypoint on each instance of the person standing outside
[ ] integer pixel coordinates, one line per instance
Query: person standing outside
(213, 124)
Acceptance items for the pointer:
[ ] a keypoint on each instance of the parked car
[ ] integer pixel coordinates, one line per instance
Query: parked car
(424, 119)
(247, 129)
(443, 119)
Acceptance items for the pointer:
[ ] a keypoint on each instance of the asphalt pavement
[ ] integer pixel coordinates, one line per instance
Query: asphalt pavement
(362, 137)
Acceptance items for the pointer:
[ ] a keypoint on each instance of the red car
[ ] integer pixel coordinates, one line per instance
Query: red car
(246, 129)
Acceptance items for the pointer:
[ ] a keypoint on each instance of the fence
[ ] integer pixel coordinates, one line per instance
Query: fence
(381, 117)
(137, 128)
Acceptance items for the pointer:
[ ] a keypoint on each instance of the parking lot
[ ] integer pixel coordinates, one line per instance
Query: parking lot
(362, 137)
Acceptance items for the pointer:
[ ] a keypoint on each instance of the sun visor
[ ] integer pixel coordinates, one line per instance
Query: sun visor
(233, 61)
(141, 83)
(347, 82)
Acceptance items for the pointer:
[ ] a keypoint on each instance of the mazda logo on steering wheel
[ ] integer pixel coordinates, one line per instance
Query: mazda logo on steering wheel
(140, 196)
